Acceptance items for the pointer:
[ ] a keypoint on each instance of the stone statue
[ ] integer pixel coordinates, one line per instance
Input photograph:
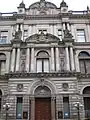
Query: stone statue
(18, 34)
(67, 34)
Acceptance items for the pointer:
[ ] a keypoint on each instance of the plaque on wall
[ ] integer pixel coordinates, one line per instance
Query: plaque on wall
(25, 115)
(60, 114)
(65, 86)
(20, 87)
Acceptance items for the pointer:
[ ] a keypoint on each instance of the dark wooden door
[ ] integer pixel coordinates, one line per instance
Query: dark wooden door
(42, 109)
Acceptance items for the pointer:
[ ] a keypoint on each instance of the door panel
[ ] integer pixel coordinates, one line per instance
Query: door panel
(42, 109)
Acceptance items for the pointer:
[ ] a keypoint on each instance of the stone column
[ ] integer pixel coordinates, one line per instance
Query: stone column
(8, 62)
(28, 60)
(32, 108)
(68, 26)
(52, 108)
(18, 59)
(55, 30)
(63, 26)
(57, 60)
(73, 31)
(13, 59)
(88, 31)
(77, 62)
(51, 29)
(22, 29)
(32, 60)
(67, 59)
(72, 59)
(29, 31)
(52, 60)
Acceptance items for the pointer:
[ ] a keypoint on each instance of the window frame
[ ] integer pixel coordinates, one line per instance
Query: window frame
(82, 35)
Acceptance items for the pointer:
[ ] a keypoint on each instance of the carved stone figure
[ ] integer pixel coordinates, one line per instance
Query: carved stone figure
(67, 34)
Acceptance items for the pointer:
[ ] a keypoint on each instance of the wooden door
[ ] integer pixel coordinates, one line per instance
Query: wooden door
(42, 109)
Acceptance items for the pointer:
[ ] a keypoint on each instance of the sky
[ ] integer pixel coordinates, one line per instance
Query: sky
(11, 5)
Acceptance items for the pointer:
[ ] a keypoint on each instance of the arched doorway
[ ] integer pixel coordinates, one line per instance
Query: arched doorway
(42, 103)
(86, 97)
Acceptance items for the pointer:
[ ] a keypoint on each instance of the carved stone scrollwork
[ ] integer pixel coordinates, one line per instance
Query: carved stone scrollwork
(65, 86)
(42, 82)
(20, 87)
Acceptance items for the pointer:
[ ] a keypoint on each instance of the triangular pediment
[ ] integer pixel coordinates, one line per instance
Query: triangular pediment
(42, 38)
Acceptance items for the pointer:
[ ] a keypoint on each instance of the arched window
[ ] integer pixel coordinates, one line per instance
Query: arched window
(86, 94)
(84, 60)
(0, 99)
(42, 62)
(2, 63)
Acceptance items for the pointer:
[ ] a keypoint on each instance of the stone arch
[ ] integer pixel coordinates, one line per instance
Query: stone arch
(81, 92)
(85, 53)
(42, 50)
(38, 83)
(80, 51)
(86, 92)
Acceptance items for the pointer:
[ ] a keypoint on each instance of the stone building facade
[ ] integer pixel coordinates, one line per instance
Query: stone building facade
(45, 63)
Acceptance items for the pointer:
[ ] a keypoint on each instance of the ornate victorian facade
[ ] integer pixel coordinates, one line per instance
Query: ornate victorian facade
(45, 63)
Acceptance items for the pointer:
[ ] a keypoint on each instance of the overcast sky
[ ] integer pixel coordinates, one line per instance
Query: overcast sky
(11, 5)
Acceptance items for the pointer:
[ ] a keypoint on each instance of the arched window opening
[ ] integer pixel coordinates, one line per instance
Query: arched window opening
(84, 60)
(42, 62)
(0, 99)
(2, 63)
(86, 93)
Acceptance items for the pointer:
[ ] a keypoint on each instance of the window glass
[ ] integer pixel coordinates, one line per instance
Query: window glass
(39, 65)
(81, 35)
(42, 62)
(3, 37)
(46, 65)
(19, 107)
(66, 107)
(60, 34)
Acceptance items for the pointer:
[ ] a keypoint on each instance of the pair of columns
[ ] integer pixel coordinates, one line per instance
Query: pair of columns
(69, 59)
(15, 58)
(53, 59)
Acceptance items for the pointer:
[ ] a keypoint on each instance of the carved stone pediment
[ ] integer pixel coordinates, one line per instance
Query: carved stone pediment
(36, 38)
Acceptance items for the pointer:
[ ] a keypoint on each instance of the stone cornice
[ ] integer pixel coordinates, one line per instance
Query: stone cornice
(33, 75)
(77, 75)
(47, 16)
(81, 43)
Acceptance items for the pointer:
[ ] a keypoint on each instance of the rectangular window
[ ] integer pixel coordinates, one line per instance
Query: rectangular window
(25, 34)
(81, 35)
(60, 34)
(66, 107)
(19, 107)
(39, 65)
(42, 30)
(3, 37)
(42, 65)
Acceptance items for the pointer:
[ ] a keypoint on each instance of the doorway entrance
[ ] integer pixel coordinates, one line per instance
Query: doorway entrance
(42, 108)
(42, 103)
